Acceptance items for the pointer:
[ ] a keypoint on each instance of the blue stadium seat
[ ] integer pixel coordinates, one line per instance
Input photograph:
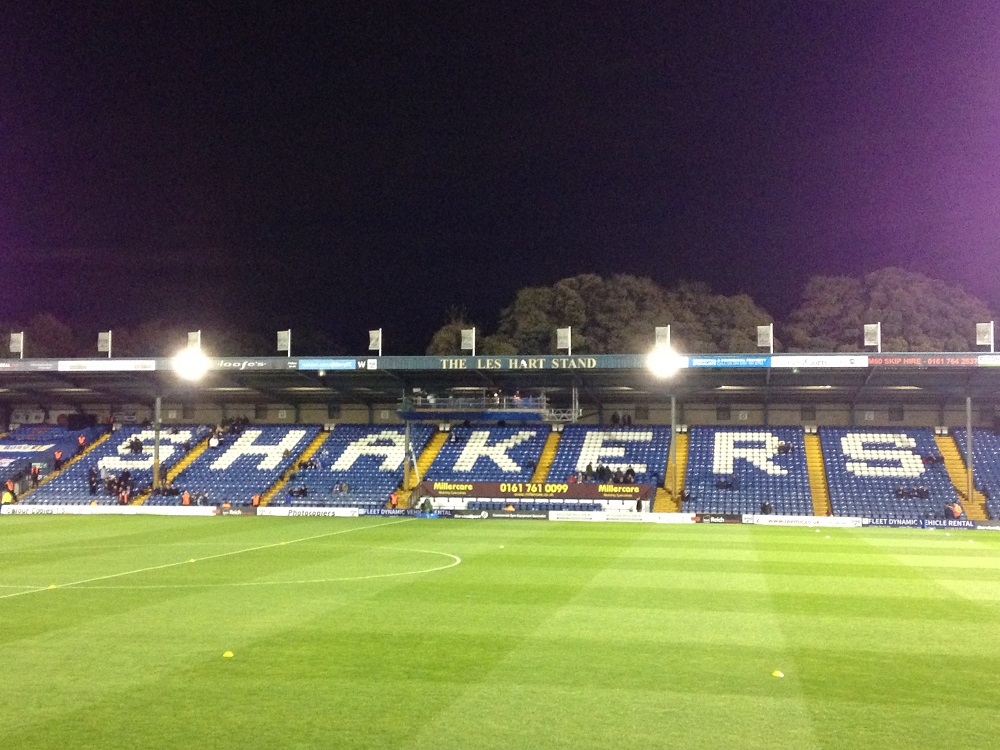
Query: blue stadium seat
(490, 454)
(367, 458)
(750, 457)
(866, 467)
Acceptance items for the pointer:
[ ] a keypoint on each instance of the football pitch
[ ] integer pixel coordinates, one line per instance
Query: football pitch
(411, 633)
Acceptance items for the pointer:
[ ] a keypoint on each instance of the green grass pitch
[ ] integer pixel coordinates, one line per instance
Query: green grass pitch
(408, 633)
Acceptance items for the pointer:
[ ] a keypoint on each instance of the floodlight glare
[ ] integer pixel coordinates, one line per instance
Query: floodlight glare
(191, 363)
(664, 362)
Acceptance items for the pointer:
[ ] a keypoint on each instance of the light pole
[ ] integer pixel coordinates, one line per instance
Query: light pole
(190, 364)
(664, 363)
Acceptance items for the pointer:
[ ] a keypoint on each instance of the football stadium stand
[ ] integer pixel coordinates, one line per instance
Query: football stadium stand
(884, 473)
(735, 470)
(114, 456)
(38, 442)
(645, 449)
(489, 454)
(357, 465)
(242, 466)
(986, 464)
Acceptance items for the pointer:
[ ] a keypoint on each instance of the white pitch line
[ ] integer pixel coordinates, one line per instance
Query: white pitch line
(455, 560)
(200, 559)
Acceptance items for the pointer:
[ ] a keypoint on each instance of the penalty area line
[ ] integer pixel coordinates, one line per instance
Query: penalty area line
(151, 568)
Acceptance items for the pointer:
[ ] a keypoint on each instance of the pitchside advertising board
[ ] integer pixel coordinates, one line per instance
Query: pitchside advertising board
(510, 513)
(537, 490)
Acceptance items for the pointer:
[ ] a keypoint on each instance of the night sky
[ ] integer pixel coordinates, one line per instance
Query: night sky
(350, 165)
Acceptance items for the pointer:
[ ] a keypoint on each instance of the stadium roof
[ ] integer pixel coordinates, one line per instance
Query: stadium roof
(856, 378)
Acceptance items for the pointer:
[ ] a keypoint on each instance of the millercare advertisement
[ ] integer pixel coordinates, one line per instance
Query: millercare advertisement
(539, 490)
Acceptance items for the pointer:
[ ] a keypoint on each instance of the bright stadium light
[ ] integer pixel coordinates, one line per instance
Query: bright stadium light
(191, 363)
(664, 362)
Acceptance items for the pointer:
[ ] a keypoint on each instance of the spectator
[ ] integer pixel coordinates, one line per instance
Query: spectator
(35, 477)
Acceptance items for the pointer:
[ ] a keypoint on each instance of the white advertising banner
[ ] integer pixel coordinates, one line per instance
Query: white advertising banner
(299, 512)
(830, 360)
(843, 522)
(106, 510)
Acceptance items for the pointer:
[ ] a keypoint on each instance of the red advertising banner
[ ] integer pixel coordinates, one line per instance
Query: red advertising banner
(539, 490)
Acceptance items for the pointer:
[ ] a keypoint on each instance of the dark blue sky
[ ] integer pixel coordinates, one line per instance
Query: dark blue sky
(361, 164)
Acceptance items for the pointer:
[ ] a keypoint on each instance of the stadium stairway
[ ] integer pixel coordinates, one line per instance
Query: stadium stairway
(817, 476)
(664, 501)
(176, 469)
(52, 475)
(308, 453)
(547, 457)
(427, 456)
(975, 509)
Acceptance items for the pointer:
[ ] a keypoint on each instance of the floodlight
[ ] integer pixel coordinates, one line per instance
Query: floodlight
(191, 363)
(664, 362)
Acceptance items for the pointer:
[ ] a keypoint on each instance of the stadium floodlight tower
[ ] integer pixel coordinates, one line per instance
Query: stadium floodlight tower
(189, 364)
(664, 363)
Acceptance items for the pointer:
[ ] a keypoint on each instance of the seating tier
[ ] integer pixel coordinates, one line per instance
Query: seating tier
(244, 465)
(114, 456)
(367, 458)
(748, 460)
(866, 468)
(645, 449)
(489, 454)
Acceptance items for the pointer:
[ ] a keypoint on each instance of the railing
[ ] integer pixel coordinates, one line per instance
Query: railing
(474, 403)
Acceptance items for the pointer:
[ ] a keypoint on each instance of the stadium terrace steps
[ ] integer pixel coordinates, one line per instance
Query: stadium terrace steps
(547, 457)
(680, 463)
(664, 502)
(308, 453)
(176, 469)
(52, 475)
(817, 476)
(427, 456)
(975, 509)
